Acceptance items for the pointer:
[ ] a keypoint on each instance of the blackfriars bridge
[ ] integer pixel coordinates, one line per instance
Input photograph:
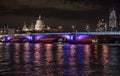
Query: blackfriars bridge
(77, 37)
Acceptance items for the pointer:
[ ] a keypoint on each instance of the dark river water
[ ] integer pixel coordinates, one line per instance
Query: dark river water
(59, 59)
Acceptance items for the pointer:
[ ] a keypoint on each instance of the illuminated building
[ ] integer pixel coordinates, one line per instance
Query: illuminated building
(39, 25)
(112, 20)
(101, 26)
(25, 27)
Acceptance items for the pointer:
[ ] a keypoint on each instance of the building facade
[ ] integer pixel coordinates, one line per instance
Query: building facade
(112, 20)
(101, 26)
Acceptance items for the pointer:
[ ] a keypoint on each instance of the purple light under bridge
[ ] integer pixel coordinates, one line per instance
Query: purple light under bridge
(80, 37)
(37, 37)
(76, 37)
(27, 37)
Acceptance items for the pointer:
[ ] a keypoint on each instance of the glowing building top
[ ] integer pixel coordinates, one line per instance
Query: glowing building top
(112, 19)
(39, 24)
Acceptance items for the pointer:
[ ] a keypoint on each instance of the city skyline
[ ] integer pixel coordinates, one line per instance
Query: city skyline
(56, 12)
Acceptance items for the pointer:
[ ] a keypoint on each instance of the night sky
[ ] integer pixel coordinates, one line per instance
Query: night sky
(56, 12)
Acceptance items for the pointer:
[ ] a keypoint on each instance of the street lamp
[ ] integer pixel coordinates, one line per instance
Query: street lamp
(87, 28)
(17, 30)
(60, 28)
(48, 28)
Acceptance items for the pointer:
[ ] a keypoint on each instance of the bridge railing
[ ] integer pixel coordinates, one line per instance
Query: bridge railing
(99, 33)
(88, 33)
(68, 33)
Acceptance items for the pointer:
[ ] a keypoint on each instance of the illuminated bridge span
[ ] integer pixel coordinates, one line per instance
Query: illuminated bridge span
(85, 33)
(82, 33)
(99, 33)
(75, 37)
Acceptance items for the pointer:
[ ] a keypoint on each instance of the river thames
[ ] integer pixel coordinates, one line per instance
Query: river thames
(27, 59)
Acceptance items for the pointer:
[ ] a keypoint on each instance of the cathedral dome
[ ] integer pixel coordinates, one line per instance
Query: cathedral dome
(39, 24)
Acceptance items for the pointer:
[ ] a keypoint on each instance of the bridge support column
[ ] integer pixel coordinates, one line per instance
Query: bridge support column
(73, 38)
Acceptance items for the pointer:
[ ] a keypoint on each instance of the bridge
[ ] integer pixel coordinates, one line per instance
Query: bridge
(82, 33)
(65, 37)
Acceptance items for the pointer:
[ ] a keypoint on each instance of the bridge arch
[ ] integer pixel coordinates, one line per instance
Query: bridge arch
(50, 38)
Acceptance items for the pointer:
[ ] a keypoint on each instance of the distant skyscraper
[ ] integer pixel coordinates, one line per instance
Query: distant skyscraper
(112, 20)
(39, 24)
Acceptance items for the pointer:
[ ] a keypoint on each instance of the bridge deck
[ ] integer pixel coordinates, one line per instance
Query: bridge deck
(68, 33)
(86, 33)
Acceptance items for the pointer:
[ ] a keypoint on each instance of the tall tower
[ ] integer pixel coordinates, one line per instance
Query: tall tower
(25, 27)
(32, 27)
(112, 20)
(39, 24)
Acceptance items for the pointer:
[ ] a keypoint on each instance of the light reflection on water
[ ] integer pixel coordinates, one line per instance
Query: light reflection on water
(59, 60)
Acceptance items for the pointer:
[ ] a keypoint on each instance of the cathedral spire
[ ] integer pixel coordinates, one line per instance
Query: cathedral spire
(32, 26)
(25, 27)
(39, 17)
